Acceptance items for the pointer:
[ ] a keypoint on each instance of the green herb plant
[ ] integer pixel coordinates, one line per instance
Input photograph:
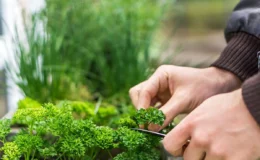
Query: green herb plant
(52, 132)
(149, 116)
(104, 47)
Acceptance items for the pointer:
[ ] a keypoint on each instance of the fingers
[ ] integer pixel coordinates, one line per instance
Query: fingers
(144, 93)
(193, 153)
(152, 87)
(134, 93)
(171, 109)
(174, 107)
(177, 138)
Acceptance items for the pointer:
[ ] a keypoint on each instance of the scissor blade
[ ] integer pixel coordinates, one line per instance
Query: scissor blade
(149, 132)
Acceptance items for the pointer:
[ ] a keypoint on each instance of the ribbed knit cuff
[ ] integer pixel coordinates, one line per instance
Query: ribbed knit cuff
(240, 55)
(251, 95)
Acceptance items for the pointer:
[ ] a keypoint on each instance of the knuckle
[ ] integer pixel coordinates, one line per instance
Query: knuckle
(201, 140)
(217, 151)
(167, 146)
(162, 68)
(145, 93)
(169, 149)
(188, 125)
(132, 90)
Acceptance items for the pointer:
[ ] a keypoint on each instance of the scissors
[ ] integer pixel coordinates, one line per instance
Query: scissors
(149, 132)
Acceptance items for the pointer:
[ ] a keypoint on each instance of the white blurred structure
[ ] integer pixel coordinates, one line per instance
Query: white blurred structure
(11, 18)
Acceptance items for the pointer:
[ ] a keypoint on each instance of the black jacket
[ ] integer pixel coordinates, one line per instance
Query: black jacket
(240, 55)
(246, 17)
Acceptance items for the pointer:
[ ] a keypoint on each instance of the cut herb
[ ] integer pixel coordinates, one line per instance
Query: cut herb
(149, 116)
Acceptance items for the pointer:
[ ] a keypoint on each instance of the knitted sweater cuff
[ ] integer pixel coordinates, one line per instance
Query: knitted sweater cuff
(251, 95)
(240, 55)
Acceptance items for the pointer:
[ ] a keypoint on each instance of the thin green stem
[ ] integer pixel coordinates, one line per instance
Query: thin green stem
(33, 154)
(109, 154)
(27, 156)
(60, 156)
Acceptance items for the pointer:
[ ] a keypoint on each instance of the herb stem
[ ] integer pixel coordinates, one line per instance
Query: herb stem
(33, 155)
(109, 154)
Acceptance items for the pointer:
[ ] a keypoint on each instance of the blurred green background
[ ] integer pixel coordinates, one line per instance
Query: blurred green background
(92, 50)
(204, 15)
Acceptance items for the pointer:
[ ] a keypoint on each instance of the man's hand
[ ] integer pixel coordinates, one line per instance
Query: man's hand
(221, 128)
(181, 89)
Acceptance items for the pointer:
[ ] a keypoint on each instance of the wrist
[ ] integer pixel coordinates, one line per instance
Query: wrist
(224, 80)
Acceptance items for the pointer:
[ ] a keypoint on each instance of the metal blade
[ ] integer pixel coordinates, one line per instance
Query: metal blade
(149, 132)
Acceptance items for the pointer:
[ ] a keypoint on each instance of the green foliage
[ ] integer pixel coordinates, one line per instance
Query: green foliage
(72, 146)
(52, 132)
(128, 122)
(82, 109)
(138, 155)
(104, 137)
(28, 144)
(39, 69)
(125, 31)
(28, 103)
(101, 46)
(4, 129)
(101, 114)
(149, 116)
(30, 116)
(130, 139)
(11, 151)
(48, 152)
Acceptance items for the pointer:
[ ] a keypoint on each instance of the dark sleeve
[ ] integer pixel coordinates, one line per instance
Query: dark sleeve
(240, 55)
(242, 34)
(251, 95)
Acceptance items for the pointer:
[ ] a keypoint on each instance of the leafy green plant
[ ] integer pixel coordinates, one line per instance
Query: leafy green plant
(4, 129)
(124, 55)
(149, 116)
(73, 47)
(39, 68)
(28, 144)
(100, 113)
(28, 103)
(52, 132)
(11, 151)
